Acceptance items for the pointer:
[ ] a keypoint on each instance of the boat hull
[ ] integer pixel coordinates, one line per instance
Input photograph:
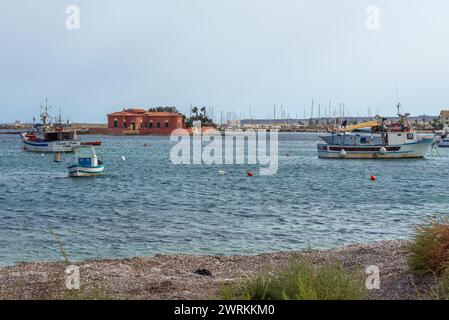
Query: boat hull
(50, 146)
(55, 146)
(80, 171)
(404, 151)
(443, 143)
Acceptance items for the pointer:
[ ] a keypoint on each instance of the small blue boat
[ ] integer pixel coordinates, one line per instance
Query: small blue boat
(87, 164)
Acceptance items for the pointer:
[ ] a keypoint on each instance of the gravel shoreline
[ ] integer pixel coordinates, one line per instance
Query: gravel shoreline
(174, 277)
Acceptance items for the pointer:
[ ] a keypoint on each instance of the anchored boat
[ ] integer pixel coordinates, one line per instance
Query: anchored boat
(50, 137)
(442, 137)
(375, 140)
(86, 164)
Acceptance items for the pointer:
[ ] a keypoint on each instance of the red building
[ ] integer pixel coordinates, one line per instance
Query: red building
(140, 121)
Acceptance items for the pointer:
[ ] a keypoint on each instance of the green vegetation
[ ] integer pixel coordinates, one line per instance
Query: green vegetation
(301, 280)
(200, 115)
(85, 294)
(429, 251)
(443, 286)
(429, 254)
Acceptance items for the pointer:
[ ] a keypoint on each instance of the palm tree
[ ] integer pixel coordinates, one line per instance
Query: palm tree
(195, 111)
(203, 110)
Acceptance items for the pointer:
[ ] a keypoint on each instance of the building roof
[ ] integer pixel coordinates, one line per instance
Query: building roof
(142, 112)
(444, 113)
(162, 114)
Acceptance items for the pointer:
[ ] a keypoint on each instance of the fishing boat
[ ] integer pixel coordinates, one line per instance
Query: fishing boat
(376, 139)
(442, 137)
(86, 164)
(49, 137)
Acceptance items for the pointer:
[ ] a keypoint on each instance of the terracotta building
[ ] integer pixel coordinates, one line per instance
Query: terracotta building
(143, 122)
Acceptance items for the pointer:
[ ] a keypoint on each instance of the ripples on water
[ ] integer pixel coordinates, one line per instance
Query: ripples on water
(146, 205)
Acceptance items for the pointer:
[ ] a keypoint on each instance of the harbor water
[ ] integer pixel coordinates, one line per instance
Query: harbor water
(144, 205)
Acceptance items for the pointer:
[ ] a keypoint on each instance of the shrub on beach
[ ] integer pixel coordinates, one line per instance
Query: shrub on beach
(429, 251)
(300, 280)
(443, 286)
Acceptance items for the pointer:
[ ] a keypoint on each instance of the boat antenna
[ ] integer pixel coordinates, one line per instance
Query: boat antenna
(398, 104)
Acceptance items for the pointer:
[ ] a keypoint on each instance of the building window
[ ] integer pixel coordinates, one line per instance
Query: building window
(150, 124)
(158, 124)
(115, 123)
(166, 124)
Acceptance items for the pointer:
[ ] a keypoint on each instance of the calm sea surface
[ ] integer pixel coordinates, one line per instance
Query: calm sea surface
(146, 205)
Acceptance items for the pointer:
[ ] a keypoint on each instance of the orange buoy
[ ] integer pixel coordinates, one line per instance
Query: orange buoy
(249, 173)
(373, 178)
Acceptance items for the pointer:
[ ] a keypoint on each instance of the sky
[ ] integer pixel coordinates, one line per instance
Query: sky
(241, 56)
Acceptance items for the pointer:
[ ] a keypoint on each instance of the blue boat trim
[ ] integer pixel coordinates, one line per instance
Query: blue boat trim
(82, 171)
(36, 144)
(86, 167)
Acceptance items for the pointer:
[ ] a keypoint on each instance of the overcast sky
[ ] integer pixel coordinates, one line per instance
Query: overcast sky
(230, 54)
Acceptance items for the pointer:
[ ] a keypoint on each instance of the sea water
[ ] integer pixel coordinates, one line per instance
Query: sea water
(144, 205)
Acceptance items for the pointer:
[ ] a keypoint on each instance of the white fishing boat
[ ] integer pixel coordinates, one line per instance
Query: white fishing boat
(442, 138)
(50, 137)
(375, 140)
(87, 163)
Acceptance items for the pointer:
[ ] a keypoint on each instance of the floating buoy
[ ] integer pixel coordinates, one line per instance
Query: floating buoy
(373, 178)
(382, 150)
(57, 157)
(145, 145)
(123, 158)
(249, 173)
(342, 153)
(221, 172)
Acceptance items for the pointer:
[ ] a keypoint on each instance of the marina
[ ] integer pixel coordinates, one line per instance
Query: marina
(229, 151)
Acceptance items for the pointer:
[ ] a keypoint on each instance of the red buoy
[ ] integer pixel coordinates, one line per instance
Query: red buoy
(249, 173)
(373, 178)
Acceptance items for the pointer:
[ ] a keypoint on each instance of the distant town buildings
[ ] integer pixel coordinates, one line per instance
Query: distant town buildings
(444, 117)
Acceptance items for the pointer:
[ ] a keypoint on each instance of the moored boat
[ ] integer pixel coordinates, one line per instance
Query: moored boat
(86, 164)
(375, 140)
(49, 137)
(444, 142)
(442, 137)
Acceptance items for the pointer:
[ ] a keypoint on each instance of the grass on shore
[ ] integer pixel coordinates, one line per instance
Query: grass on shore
(300, 280)
(429, 253)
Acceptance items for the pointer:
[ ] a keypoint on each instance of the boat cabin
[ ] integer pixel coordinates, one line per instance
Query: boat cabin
(364, 137)
(86, 158)
(55, 135)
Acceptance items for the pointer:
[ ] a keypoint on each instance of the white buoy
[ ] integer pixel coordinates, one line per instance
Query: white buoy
(123, 158)
(382, 150)
(221, 172)
(42, 154)
(342, 153)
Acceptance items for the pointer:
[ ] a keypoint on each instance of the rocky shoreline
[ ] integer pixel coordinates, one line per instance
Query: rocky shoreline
(200, 277)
